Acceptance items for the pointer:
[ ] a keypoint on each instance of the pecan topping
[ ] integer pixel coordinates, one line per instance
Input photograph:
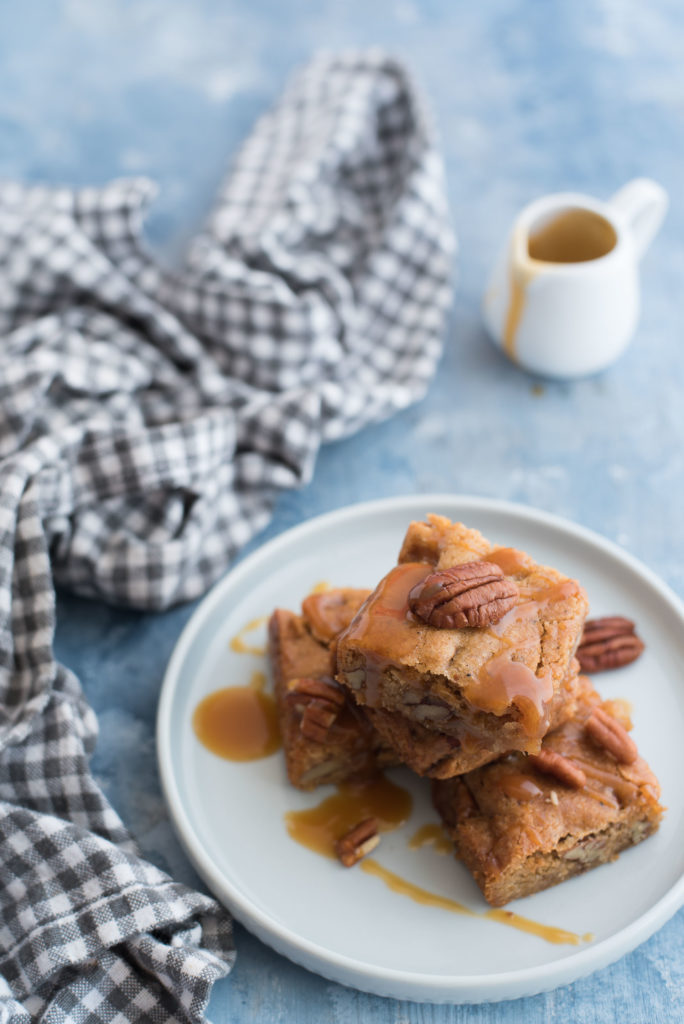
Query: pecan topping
(357, 842)
(320, 701)
(471, 594)
(608, 733)
(317, 717)
(549, 762)
(608, 643)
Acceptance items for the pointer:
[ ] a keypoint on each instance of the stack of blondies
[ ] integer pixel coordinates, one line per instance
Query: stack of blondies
(464, 664)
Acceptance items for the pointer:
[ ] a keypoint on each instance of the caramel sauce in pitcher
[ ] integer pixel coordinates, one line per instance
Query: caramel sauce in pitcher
(574, 235)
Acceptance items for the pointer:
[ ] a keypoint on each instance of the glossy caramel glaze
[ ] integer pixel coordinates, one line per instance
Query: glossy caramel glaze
(519, 786)
(384, 628)
(502, 683)
(510, 560)
(319, 827)
(396, 883)
(387, 634)
(328, 612)
(238, 723)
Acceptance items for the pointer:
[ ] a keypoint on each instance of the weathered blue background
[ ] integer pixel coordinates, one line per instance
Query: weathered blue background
(530, 97)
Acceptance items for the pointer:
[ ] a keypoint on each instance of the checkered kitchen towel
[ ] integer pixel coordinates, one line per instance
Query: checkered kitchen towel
(147, 423)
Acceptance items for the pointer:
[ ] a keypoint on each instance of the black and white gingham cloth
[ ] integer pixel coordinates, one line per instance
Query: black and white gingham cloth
(147, 422)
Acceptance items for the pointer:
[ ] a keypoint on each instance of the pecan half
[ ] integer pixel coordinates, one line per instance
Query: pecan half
(319, 701)
(471, 594)
(317, 717)
(324, 689)
(607, 643)
(550, 762)
(357, 842)
(608, 733)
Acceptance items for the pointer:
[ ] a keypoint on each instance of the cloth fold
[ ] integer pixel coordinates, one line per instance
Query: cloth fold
(148, 420)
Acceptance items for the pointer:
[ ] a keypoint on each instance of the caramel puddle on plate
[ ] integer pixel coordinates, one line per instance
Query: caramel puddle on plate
(430, 899)
(319, 827)
(238, 723)
(431, 835)
(238, 642)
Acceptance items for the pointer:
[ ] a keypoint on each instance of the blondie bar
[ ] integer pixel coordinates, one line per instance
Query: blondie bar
(522, 824)
(326, 737)
(499, 682)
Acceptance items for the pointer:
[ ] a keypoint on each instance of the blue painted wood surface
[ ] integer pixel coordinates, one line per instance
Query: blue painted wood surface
(529, 98)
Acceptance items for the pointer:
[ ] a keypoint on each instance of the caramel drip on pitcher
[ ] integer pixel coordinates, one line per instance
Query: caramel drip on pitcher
(519, 281)
(558, 936)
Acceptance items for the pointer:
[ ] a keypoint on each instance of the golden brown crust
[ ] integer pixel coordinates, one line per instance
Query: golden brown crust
(525, 830)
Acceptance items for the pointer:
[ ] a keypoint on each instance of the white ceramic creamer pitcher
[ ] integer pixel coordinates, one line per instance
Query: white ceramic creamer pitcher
(563, 299)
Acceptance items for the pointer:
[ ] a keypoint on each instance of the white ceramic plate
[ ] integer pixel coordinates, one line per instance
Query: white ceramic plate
(346, 925)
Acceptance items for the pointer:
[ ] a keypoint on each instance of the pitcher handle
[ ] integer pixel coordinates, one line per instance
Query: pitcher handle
(643, 204)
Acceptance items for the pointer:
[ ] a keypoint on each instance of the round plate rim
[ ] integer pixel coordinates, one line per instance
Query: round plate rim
(491, 987)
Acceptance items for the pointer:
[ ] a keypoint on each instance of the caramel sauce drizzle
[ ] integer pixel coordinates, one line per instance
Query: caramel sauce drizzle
(559, 936)
(383, 627)
(510, 560)
(238, 644)
(502, 683)
(238, 723)
(319, 827)
(321, 587)
(519, 786)
(433, 835)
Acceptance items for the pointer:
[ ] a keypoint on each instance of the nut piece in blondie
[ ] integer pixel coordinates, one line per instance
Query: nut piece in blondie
(498, 685)
(523, 823)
